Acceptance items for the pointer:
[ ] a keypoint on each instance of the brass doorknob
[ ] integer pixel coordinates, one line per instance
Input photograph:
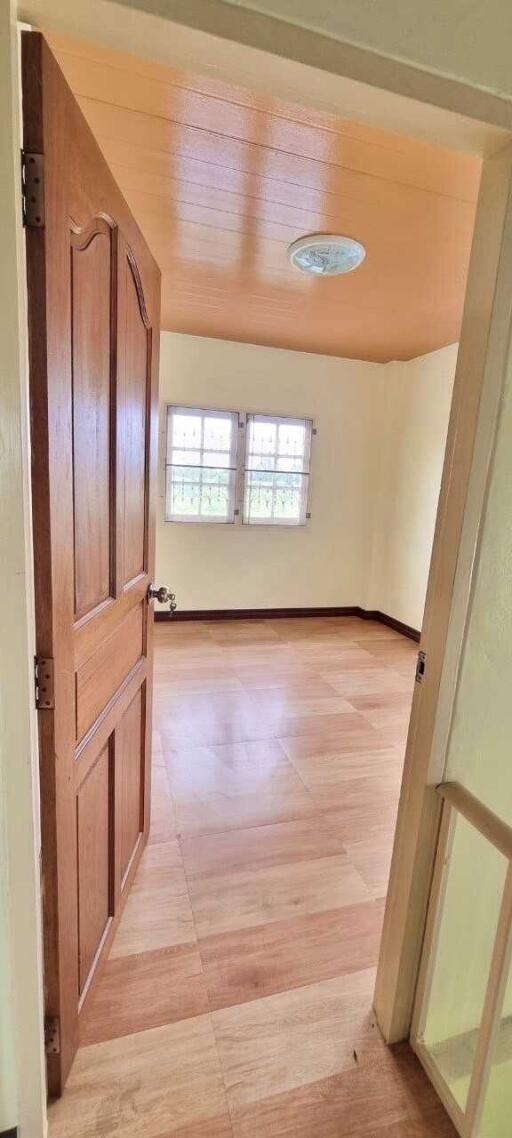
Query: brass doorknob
(163, 595)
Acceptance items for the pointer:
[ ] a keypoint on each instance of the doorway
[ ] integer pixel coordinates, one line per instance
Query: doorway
(280, 742)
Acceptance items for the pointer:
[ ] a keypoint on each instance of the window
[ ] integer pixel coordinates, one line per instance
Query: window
(201, 465)
(225, 466)
(276, 475)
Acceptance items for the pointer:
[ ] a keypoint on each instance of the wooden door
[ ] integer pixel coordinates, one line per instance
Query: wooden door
(93, 299)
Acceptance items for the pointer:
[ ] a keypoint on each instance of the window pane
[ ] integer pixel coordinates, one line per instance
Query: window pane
(497, 1111)
(186, 457)
(216, 458)
(467, 930)
(261, 461)
(183, 492)
(201, 493)
(262, 436)
(217, 433)
(276, 470)
(291, 440)
(186, 430)
(275, 498)
(201, 464)
(285, 462)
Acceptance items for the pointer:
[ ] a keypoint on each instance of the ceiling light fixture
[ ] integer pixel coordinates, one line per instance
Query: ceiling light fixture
(326, 254)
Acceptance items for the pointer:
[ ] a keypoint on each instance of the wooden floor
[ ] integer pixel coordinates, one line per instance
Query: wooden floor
(236, 1002)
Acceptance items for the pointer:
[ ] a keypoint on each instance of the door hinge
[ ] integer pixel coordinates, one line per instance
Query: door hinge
(43, 682)
(52, 1035)
(32, 189)
(421, 667)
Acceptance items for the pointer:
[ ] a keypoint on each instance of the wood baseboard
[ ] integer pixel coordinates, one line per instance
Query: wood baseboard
(278, 613)
(392, 622)
(255, 614)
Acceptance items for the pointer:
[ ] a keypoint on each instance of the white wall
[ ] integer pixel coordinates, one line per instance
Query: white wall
(463, 40)
(235, 566)
(414, 422)
(376, 469)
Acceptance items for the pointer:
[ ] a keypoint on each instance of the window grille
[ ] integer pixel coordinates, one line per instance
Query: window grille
(201, 465)
(277, 469)
(225, 466)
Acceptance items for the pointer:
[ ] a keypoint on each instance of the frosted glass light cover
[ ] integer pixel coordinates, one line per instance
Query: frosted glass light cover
(326, 254)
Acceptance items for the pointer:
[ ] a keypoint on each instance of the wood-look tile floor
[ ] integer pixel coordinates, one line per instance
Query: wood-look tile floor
(237, 999)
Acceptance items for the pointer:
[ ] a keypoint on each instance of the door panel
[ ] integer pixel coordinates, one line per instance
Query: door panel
(99, 677)
(94, 862)
(93, 298)
(92, 285)
(133, 425)
(130, 780)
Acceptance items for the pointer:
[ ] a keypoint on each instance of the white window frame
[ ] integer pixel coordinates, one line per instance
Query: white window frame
(291, 420)
(243, 417)
(205, 412)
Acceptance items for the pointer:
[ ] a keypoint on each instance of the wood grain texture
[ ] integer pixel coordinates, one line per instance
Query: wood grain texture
(260, 847)
(129, 781)
(157, 912)
(282, 955)
(101, 675)
(133, 425)
(82, 328)
(94, 862)
(244, 900)
(225, 787)
(265, 928)
(150, 989)
(367, 1102)
(159, 1082)
(266, 1045)
(92, 261)
(222, 179)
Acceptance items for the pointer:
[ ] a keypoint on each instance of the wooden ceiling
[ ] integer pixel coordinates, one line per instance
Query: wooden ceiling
(221, 180)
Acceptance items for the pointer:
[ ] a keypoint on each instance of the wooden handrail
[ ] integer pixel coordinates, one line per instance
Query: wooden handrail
(484, 820)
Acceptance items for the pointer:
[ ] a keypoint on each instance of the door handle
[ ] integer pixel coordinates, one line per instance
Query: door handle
(163, 595)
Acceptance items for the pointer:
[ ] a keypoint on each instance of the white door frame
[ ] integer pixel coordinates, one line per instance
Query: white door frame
(482, 368)
(22, 1053)
(305, 67)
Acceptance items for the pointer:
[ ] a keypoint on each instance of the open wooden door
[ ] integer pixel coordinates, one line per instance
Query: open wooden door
(93, 298)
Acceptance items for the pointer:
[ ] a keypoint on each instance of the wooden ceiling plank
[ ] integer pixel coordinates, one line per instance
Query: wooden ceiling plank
(221, 180)
(455, 176)
(259, 156)
(216, 88)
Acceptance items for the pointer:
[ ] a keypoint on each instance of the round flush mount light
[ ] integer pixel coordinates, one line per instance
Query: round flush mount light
(326, 254)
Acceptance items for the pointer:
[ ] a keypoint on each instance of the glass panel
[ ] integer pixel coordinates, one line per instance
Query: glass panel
(292, 440)
(467, 928)
(496, 1119)
(275, 498)
(262, 436)
(186, 430)
(217, 433)
(186, 457)
(276, 470)
(201, 464)
(278, 444)
(479, 753)
(216, 458)
(201, 493)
